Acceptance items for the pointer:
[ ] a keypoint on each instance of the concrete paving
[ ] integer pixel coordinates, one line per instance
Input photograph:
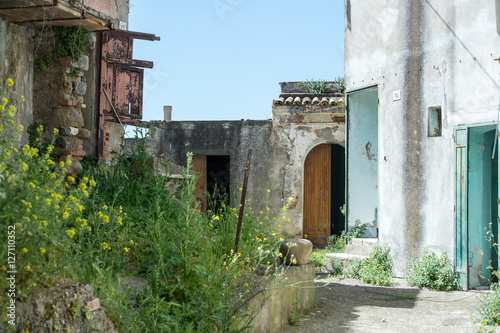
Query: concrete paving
(348, 305)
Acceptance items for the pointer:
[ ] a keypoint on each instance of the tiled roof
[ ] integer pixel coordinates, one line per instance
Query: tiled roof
(299, 94)
(303, 99)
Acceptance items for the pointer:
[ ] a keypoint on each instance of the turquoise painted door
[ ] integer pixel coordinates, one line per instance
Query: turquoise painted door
(476, 205)
(461, 207)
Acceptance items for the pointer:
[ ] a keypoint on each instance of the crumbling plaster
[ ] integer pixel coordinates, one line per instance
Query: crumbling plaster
(437, 54)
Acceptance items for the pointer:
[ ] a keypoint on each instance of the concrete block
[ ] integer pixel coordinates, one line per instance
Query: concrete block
(296, 284)
(80, 87)
(93, 305)
(296, 251)
(341, 259)
(83, 63)
(67, 116)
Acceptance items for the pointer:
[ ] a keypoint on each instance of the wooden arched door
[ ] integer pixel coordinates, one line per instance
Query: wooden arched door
(317, 195)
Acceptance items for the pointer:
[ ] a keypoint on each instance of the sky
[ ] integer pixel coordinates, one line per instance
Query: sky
(224, 59)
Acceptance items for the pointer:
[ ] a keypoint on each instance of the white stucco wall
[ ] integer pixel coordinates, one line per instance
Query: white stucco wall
(437, 53)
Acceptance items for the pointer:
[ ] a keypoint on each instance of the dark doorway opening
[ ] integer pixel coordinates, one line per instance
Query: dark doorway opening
(338, 190)
(218, 181)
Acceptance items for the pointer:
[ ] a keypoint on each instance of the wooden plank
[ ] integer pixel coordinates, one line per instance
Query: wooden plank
(25, 3)
(39, 13)
(134, 35)
(130, 62)
(317, 193)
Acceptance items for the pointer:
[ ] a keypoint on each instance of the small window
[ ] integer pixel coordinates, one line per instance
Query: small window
(434, 122)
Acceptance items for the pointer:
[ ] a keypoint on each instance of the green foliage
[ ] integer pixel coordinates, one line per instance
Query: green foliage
(38, 203)
(340, 86)
(196, 281)
(489, 311)
(319, 259)
(377, 269)
(294, 318)
(124, 219)
(432, 271)
(46, 61)
(74, 42)
(337, 243)
(71, 41)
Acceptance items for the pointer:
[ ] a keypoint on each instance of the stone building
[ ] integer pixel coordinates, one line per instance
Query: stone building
(297, 154)
(422, 82)
(79, 90)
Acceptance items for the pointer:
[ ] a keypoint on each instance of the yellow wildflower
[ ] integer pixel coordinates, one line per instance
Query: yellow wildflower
(56, 131)
(9, 82)
(28, 268)
(21, 128)
(131, 242)
(24, 250)
(23, 99)
(71, 232)
(71, 179)
(126, 249)
(105, 246)
(105, 207)
(42, 250)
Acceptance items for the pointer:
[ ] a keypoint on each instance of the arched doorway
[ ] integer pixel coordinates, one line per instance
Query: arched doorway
(324, 193)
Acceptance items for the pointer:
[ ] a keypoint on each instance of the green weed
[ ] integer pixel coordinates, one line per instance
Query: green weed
(377, 269)
(432, 271)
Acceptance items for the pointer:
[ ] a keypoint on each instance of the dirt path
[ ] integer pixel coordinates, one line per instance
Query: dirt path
(351, 306)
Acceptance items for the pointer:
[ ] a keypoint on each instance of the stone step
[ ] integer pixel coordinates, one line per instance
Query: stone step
(337, 259)
(364, 241)
(361, 246)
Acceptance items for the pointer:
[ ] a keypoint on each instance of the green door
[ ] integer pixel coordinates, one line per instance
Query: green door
(476, 205)
(461, 207)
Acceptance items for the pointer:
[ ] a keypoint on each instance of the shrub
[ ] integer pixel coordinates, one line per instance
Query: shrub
(377, 269)
(41, 211)
(432, 271)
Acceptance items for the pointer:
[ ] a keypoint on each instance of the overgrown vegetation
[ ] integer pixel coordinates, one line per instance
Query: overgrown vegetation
(488, 316)
(376, 269)
(125, 219)
(321, 86)
(71, 41)
(432, 271)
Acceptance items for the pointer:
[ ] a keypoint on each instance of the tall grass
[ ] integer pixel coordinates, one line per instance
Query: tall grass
(125, 219)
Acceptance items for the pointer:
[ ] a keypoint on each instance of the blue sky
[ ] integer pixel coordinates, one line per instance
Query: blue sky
(224, 59)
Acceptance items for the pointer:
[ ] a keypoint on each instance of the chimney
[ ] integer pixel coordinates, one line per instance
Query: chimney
(167, 113)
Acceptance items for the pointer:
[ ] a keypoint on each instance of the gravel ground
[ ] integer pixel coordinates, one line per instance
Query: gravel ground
(347, 305)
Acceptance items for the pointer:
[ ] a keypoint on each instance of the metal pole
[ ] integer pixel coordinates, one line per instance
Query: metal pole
(243, 196)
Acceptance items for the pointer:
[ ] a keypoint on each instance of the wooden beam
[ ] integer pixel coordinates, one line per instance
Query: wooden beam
(130, 62)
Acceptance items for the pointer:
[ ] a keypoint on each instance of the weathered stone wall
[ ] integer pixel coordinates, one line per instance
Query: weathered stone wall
(280, 147)
(16, 62)
(295, 133)
(293, 291)
(59, 98)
